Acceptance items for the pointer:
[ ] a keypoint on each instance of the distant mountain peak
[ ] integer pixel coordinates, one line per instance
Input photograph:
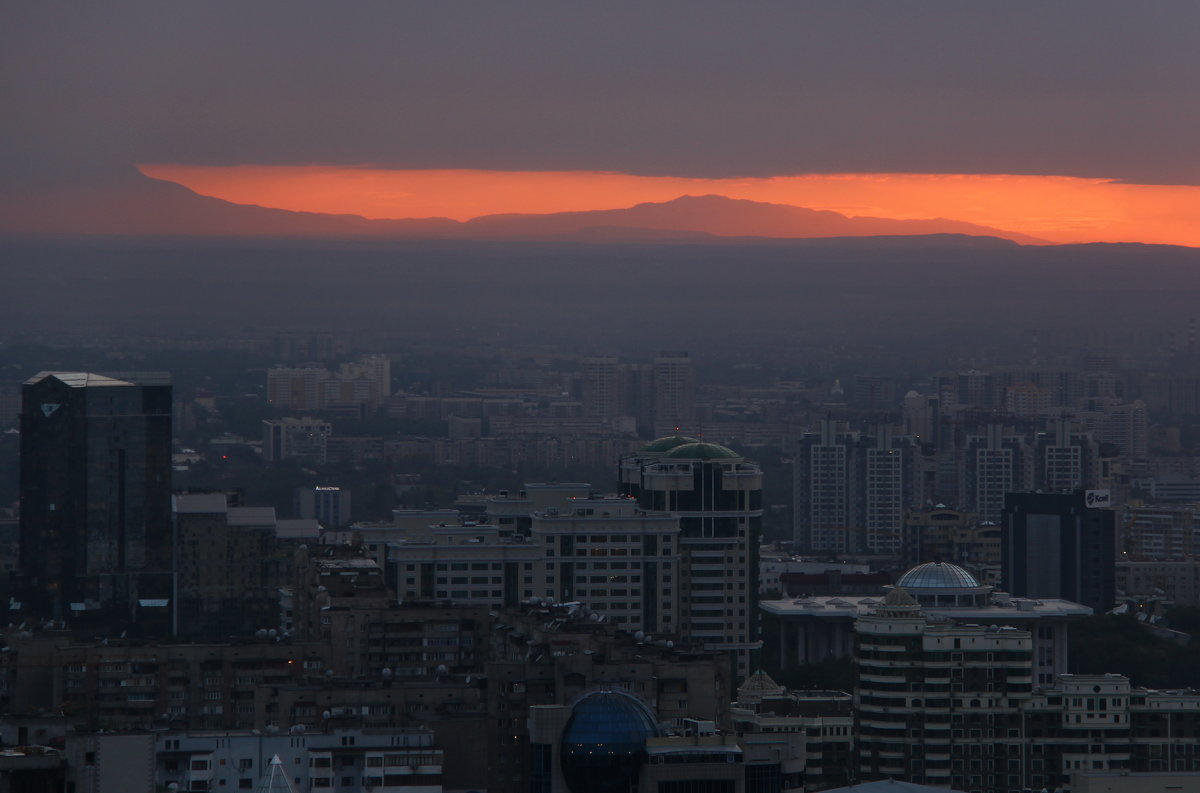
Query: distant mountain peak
(722, 216)
(143, 206)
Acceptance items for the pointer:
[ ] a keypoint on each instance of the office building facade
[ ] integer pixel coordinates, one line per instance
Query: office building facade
(95, 492)
(326, 504)
(717, 496)
(1059, 545)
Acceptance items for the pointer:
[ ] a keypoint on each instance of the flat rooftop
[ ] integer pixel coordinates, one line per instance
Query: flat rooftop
(854, 606)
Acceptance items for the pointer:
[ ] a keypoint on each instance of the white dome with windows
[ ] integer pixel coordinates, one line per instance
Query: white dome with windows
(937, 575)
(943, 584)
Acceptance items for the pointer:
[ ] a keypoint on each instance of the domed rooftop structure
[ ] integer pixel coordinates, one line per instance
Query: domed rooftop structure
(667, 443)
(937, 575)
(702, 451)
(898, 604)
(943, 584)
(604, 743)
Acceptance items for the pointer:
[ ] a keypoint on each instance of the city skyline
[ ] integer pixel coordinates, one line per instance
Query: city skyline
(687, 397)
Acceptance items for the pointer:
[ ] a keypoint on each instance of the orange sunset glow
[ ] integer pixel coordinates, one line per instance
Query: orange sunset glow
(1055, 208)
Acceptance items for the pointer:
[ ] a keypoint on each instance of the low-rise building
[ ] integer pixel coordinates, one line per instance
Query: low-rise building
(1159, 532)
(815, 725)
(116, 684)
(302, 439)
(623, 562)
(231, 561)
(813, 629)
(1177, 581)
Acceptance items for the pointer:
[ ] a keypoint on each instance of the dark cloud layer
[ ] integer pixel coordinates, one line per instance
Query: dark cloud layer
(1082, 87)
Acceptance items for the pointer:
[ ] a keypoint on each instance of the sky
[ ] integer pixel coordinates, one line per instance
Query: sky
(860, 100)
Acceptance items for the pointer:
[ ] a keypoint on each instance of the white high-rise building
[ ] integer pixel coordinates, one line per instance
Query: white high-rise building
(994, 463)
(851, 489)
(884, 499)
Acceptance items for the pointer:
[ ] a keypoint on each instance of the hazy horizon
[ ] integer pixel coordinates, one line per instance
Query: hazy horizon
(1070, 123)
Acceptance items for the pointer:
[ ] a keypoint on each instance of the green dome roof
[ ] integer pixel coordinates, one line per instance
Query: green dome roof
(667, 443)
(702, 451)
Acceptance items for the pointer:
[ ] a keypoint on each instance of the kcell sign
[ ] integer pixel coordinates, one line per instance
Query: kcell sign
(1098, 498)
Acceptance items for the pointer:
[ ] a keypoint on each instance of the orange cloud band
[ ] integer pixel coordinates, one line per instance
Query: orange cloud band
(1055, 208)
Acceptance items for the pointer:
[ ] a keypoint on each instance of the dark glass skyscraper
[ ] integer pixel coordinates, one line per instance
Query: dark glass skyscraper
(1060, 545)
(95, 492)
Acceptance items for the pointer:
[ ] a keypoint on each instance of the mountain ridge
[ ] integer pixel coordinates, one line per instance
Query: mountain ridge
(141, 206)
(721, 216)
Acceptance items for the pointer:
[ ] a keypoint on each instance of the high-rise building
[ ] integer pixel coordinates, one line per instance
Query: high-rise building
(95, 492)
(1060, 545)
(637, 394)
(993, 463)
(674, 392)
(821, 487)
(717, 496)
(1065, 458)
(851, 489)
(887, 492)
(961, 706)
(602, 380)
(926, 691)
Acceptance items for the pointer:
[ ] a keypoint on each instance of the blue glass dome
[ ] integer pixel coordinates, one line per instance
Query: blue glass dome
(937, 575)
(604, 743)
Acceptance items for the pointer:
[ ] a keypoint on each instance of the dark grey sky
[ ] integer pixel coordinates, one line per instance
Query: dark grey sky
(1085, 87)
